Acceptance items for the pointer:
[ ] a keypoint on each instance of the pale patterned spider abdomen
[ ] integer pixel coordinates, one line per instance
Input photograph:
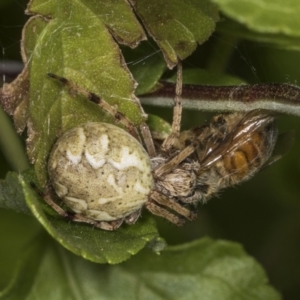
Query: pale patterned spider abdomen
(100, 172)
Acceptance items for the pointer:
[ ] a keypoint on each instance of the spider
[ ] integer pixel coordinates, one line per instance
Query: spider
(105, 175)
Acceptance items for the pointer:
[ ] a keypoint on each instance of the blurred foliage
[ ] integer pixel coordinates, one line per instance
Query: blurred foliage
(262, 214)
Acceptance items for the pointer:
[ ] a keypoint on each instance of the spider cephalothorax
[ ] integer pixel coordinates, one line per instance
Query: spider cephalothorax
(106, 175)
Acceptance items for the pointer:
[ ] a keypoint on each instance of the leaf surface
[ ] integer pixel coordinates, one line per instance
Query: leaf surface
(177, 26)
(266, 16)
(240, 31)
(204, 269)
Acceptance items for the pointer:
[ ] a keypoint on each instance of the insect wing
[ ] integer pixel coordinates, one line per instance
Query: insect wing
(240, 134)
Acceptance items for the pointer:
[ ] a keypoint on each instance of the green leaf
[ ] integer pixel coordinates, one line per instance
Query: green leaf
(82, 50)
(177, 26)
(116, 15)
(204, 269)
(279, 40)
(266, 16)
(91, 243)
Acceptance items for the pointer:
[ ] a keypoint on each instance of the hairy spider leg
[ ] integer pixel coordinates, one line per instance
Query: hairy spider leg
(157, 210)
(173, 137)
(173, 205)
(177, 112)
(148, 140)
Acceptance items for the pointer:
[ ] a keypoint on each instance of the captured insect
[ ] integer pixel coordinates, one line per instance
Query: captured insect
(232, 148)
(105, 175)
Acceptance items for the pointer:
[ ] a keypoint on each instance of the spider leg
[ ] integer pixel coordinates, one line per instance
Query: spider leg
(157, 210)
(177, 112)
(173, 205)
(49, 201)
(171, 140)
(119, 117)
(109, 226)
(74, 217)
(148, 140)
(175, 161)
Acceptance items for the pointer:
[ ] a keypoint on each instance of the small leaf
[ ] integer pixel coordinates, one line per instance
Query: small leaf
(265, 16)
(177, 26)
(204, 269)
